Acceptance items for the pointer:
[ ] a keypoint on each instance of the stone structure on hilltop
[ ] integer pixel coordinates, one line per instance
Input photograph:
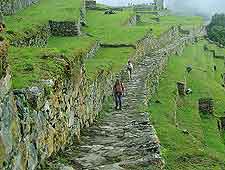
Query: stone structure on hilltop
(206, 105)
(156, 5)
(90, 4)
(181, 87)
(159, 4)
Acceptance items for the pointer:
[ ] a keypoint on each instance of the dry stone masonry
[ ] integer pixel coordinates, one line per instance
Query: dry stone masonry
(206, 106)
(134, 20)
(37, 122)
(124, 139)
(65, 28)
(221, 123)
(181, 88)
(223, 79)
(90, 4)
(9, 7)
(32, 38)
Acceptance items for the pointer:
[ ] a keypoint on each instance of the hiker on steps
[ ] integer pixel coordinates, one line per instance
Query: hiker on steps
(118, 90)
(130, 68)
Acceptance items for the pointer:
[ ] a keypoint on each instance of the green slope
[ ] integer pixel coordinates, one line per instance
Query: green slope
(203, 148)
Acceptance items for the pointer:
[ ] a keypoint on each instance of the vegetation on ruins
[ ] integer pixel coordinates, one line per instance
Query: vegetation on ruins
(74, 74)
(216, 29)
(203, 147)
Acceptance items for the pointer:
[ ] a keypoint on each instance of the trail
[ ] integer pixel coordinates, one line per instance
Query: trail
(123, 140)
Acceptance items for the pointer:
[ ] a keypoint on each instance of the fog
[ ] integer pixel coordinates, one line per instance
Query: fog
(199, 7)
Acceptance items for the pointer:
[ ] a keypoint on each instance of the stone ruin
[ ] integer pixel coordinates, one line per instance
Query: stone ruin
(64, 28)
(216, 55)
(181, 88)
(90, 4)
(156, 5)
(224, 79)
(3, 57)
(221, 123)
(9, 7)
(206, 105)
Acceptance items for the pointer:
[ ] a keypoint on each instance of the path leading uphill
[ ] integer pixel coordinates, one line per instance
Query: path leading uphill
(123, 140)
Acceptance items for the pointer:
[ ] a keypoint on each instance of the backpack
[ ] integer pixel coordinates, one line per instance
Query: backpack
(118, 88)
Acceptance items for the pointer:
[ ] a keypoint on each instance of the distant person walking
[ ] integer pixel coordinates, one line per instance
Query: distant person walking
(118, 90)
(130, 69)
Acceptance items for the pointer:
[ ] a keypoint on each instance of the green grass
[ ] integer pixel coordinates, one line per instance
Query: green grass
(112, 58)
(203, 148)
(21, 59)
(41, 13)
(114, 28)
(105, 28)
(70, 44)
(167, 21)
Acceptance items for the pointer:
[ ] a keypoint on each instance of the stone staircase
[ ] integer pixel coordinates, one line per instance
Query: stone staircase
(122, 140)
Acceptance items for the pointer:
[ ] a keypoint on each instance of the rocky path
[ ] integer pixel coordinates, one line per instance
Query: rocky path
(123, 140)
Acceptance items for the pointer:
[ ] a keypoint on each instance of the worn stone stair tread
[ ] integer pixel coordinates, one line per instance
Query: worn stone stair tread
(123, 139)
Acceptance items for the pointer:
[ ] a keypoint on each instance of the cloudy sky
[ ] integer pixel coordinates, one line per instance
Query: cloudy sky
(207, 7)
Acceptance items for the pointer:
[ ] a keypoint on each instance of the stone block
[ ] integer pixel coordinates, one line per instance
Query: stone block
(224, 79)
(64, 28)
(90, 4)
(221, 123)
(206, 105)
(9, 7)
(181, 88)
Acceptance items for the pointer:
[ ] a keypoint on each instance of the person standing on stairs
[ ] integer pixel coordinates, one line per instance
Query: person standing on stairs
(130, 68)
(118, 90)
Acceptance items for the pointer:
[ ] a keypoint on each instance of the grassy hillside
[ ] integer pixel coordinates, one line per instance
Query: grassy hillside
(165, 22)
(203, 148)
(40, 13)
(101, 27)
(112, 58)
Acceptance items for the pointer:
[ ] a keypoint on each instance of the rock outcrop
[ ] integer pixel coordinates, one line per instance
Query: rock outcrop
(9, 7)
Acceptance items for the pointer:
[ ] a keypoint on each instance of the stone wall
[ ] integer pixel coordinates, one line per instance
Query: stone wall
(37, 37)
(221, 123)
(93, 50)
(90, 4)
(151, 7)
(170, 43)
(3, 57)
(216, 55)
(9, 7)
(39, 121)
(64, 28)
(206, 105)
(134, 20)
(159, 4)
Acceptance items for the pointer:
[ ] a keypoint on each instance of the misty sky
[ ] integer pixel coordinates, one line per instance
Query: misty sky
(207, 7)
(122, 2)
